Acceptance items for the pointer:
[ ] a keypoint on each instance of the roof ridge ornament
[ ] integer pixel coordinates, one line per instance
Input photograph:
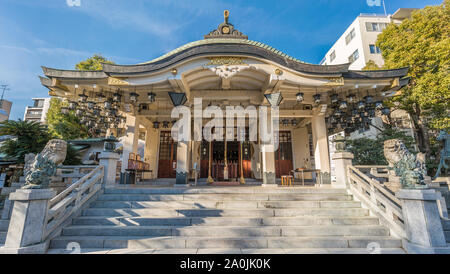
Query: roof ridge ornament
(226, 30)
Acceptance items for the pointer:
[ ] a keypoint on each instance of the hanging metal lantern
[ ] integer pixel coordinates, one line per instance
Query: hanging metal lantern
(317, 98)
(108, 104)
(368, 99)
(72, 105)
(300, 97)
(96, 111)
(294, 122)
(285, 122)
(133, 97)
(64, 110)
(334, 98)
(385, 111)
(343, 105)
(165, 124)
(156, 124)
(117, 97)
(82, 97)
(361, 105)
(101, 96)
(90, 105)
(378, 105)
(151, 97)
(111, 112)
(351, 98)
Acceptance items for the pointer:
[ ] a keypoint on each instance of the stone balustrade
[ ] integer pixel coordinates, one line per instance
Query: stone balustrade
(39, 215)
(415, 215)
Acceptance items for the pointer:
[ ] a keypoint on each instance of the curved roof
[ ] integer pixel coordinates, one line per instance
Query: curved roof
(223, 47)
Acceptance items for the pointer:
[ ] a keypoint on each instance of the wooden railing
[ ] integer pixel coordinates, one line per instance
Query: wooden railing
(62, 206)
(378, 199)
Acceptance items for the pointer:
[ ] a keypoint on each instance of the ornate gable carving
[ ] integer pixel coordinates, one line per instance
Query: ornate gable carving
(226, 30)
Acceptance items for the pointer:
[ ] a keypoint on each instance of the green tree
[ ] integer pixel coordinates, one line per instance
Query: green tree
(27, 137)
(371, 151)
(64, 126)
(93, 63)
(371, 65)
(423, 44)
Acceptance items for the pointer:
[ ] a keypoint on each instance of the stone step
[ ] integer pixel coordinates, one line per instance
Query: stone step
(221, 242)
(145, 212)
(225, 204)
(232, 251)
(226, 197)
(225, 190)
(446, 225)
(2, 237)
(219, 231)
(4, 224)
(224, 221)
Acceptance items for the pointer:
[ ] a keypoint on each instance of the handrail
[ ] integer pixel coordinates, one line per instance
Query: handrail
(63, 205)
(376, 197)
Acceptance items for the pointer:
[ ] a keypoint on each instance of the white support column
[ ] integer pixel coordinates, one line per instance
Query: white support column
(182, 163)
(321, 155)
(268, 165)
(151, 152)
(130, 143)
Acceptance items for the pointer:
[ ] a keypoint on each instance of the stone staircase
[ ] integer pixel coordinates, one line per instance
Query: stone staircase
(225, 220)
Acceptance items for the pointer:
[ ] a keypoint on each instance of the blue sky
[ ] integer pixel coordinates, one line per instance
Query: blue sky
(54, 34)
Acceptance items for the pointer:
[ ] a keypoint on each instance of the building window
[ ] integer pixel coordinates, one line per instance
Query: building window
(355, 55)
(378, 27)
(350, 36)
(374, 49)
(38, 103)
(333, 56)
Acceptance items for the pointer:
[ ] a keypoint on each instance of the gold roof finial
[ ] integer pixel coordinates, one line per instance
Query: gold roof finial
(226, 14)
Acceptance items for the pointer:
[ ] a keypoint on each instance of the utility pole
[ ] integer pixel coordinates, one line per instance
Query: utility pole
(384, 7)
(3, 88)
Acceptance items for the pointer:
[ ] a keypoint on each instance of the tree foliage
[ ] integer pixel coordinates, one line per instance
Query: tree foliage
(64, 126)
(27, 137)
(371, 65)
(423, 44)
(371, 152)
(93, 63)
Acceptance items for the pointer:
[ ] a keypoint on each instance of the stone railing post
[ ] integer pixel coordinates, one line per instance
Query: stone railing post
(108, 160)
(422, 220)
(341, 160)
(28, 221)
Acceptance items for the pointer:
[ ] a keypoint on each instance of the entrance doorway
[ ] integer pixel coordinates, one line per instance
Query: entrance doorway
(167, 156)
(283, 156)
(218, 160)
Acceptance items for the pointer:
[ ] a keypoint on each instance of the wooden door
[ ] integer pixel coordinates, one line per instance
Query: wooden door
(167, 156)
(283, 156)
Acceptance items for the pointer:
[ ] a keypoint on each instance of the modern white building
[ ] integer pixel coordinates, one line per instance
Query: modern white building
(357, 44)
(38, 111)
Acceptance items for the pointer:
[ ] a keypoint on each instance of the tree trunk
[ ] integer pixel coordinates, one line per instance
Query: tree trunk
(422, 133)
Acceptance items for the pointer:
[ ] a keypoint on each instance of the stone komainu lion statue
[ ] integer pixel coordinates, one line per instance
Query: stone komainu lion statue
(409, 167)
(38, 173)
